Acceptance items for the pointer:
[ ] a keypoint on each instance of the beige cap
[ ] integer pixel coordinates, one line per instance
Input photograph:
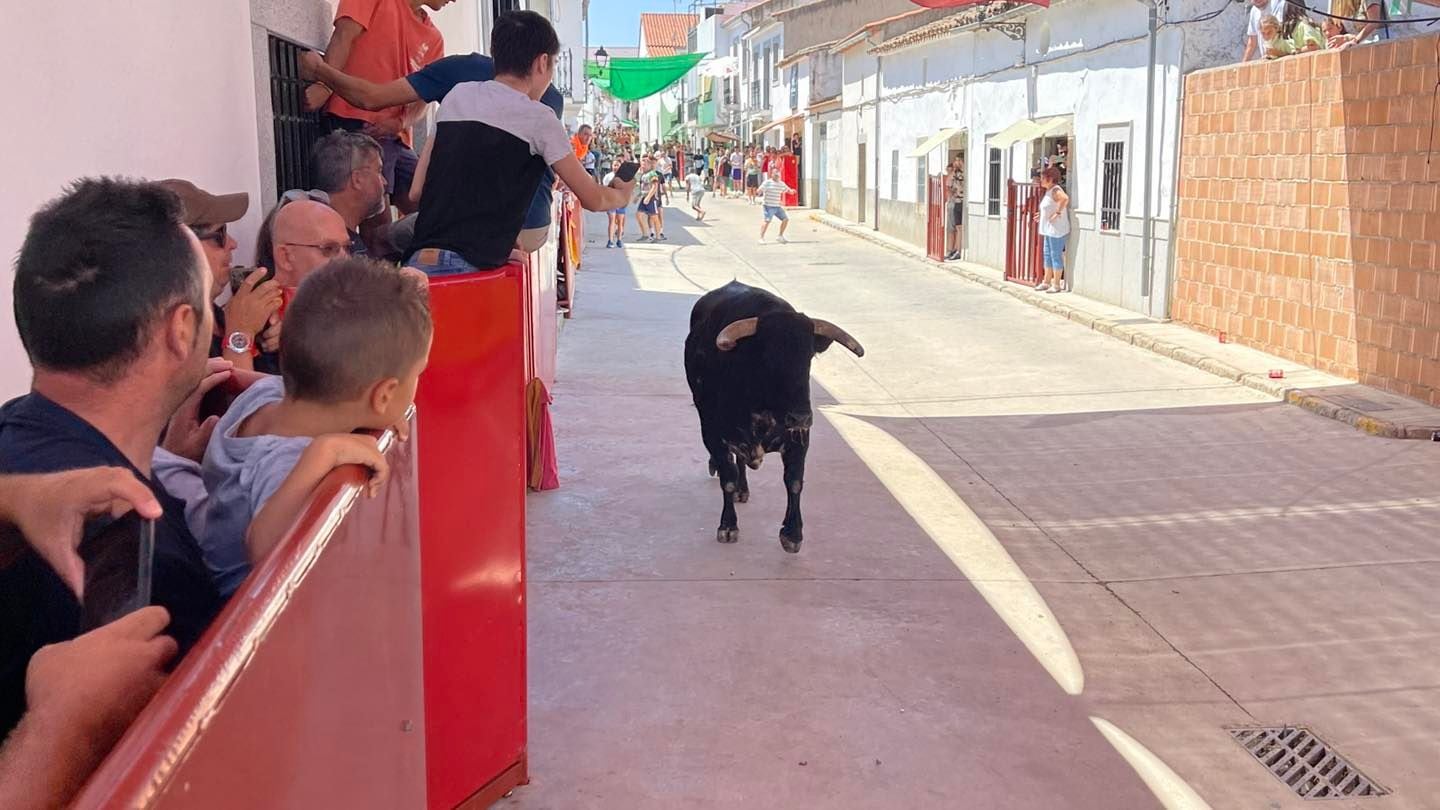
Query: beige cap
(204, 208)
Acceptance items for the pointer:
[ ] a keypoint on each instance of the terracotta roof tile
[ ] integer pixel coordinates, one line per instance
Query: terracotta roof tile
(667, 34)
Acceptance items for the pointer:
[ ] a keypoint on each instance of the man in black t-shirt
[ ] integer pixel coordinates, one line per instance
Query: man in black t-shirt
(111, 303)
(491, 145)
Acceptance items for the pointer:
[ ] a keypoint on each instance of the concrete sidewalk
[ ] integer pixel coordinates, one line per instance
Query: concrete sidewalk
(1372, 410)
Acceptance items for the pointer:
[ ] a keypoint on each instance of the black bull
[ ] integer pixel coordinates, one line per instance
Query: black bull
(747, 359)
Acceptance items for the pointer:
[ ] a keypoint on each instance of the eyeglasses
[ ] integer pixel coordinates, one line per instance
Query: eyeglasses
(219, 237)
(327, 249)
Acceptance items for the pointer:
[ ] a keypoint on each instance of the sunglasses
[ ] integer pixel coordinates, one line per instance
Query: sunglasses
(298, 194)
(219, 237)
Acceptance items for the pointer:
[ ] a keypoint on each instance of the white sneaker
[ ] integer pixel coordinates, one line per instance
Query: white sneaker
(762, 240)
(782, 240)
(1042, 287)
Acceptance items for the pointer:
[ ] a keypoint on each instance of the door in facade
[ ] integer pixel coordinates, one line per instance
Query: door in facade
(861, 174)
(822, 170)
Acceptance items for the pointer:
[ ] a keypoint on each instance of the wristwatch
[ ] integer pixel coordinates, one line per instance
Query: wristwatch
(239, 343)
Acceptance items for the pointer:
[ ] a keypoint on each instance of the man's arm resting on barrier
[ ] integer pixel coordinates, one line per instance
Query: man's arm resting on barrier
(592, 195)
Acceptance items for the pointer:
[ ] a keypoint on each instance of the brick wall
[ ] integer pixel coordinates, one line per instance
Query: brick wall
(1308, 212)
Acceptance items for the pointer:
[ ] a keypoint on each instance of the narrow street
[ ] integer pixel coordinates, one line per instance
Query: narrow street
(1042, 568)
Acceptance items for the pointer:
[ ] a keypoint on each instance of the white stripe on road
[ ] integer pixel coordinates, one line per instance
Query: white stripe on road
(968, 542)
(1170, 789)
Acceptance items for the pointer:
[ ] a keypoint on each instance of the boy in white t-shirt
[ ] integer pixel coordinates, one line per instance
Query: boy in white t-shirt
(772, 193)
(696, 185)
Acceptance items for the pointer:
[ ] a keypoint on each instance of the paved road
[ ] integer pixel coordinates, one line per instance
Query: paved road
(1042, 568)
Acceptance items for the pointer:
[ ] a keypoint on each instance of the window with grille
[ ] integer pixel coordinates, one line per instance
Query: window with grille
(296, 130)
(1112, 184)
(895, 174)
(921, 184)
(794, 87)
(995, 178)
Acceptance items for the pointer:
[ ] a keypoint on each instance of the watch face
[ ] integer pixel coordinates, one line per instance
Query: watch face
(238, 342)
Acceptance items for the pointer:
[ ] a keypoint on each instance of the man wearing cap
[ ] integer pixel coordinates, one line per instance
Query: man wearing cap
(241, 315)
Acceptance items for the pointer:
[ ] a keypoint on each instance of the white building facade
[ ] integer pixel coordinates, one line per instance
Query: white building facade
(1006, 91)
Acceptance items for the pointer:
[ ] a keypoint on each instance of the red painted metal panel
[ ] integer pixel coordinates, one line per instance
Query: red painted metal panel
(471, 447)
(935, 222)
(1024, 262)
(307, 689)
(790, 175)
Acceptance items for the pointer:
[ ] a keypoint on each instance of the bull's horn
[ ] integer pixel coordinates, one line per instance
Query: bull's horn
(736, 332)
(835, 333)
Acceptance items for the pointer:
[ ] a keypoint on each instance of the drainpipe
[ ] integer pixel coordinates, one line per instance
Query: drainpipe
(1147, 260)
(879, 80)
(1175, 171)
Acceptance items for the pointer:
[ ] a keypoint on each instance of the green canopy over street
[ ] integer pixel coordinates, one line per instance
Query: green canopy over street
(634, 78)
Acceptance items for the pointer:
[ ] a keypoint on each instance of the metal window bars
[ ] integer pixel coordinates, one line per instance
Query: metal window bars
(296, 130)
(1112, 176)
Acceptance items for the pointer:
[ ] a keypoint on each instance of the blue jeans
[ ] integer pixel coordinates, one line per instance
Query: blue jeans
(1055, 252)
(437, 262)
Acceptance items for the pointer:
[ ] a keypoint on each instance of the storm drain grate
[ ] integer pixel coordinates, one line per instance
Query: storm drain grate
(1306, 763)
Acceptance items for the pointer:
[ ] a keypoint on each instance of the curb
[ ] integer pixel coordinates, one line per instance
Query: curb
(1318, 405)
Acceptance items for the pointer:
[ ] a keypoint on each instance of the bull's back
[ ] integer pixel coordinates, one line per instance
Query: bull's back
(735, 301)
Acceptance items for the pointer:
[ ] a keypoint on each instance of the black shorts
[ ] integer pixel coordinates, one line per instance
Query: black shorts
(957, 214)
(752, 181)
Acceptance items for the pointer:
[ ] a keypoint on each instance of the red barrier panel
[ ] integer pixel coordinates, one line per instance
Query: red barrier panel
(307, 689)
(790, 175)
(935, 223)
(471, 447)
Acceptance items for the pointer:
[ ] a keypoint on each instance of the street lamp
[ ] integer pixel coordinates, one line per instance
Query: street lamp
(602, 57)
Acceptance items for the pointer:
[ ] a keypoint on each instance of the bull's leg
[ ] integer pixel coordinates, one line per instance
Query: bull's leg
(724, 461)
(792, 531)
(742, 486)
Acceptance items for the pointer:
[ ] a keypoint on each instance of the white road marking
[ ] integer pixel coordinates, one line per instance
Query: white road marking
(1172, 791)
(968, 542)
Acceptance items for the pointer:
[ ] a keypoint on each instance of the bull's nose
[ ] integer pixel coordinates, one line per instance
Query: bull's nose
(799, 421)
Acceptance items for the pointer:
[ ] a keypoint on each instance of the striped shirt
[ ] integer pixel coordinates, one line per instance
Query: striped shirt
(773, 190)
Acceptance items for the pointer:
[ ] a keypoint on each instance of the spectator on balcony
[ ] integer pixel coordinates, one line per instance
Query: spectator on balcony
(1259, 9)
(356, 339)
(112, 303)
(498, 137)
(246, 309)
(1054, 219)
(1300, 31)
(381, 41)
(348, 167)
(1347, 32)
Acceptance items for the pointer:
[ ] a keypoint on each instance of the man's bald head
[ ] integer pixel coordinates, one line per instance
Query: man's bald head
(304, 233)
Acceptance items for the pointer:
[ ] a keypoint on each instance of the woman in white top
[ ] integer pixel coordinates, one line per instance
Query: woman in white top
(1054, 230)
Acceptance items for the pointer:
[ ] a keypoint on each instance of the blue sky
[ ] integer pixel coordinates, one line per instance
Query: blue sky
(617, 22)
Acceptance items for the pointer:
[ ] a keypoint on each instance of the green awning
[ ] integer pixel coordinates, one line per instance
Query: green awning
(634, 78)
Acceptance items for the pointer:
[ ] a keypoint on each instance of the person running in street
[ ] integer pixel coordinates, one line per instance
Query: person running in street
(696, 185)
(772, 191)
(615, 235)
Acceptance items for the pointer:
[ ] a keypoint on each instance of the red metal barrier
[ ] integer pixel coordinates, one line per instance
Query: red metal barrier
(307, 689)
(935, 222)
(472, 456)
(1024, 262)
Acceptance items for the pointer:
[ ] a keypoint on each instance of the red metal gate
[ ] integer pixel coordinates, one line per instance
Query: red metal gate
(935, 222)
(1023, 260)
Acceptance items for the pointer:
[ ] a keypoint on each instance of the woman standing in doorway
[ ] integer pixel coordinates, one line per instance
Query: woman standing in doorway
(1054, 230)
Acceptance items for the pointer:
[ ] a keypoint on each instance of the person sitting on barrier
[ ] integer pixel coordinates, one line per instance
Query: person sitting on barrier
(112, 303)
(431, 84)
(496, 138)
(357, 335)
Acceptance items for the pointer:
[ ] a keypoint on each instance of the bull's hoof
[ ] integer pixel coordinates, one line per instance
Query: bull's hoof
(743, 496)
(791, 541)
(724, 535)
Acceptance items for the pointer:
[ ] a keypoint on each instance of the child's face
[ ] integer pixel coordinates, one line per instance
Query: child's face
(1269, 30)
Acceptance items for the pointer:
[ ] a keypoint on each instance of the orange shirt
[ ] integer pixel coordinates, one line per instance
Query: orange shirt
(580, 148)
(395, 44)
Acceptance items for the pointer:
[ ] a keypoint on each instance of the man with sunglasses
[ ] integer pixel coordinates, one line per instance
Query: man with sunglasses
(241, 315)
